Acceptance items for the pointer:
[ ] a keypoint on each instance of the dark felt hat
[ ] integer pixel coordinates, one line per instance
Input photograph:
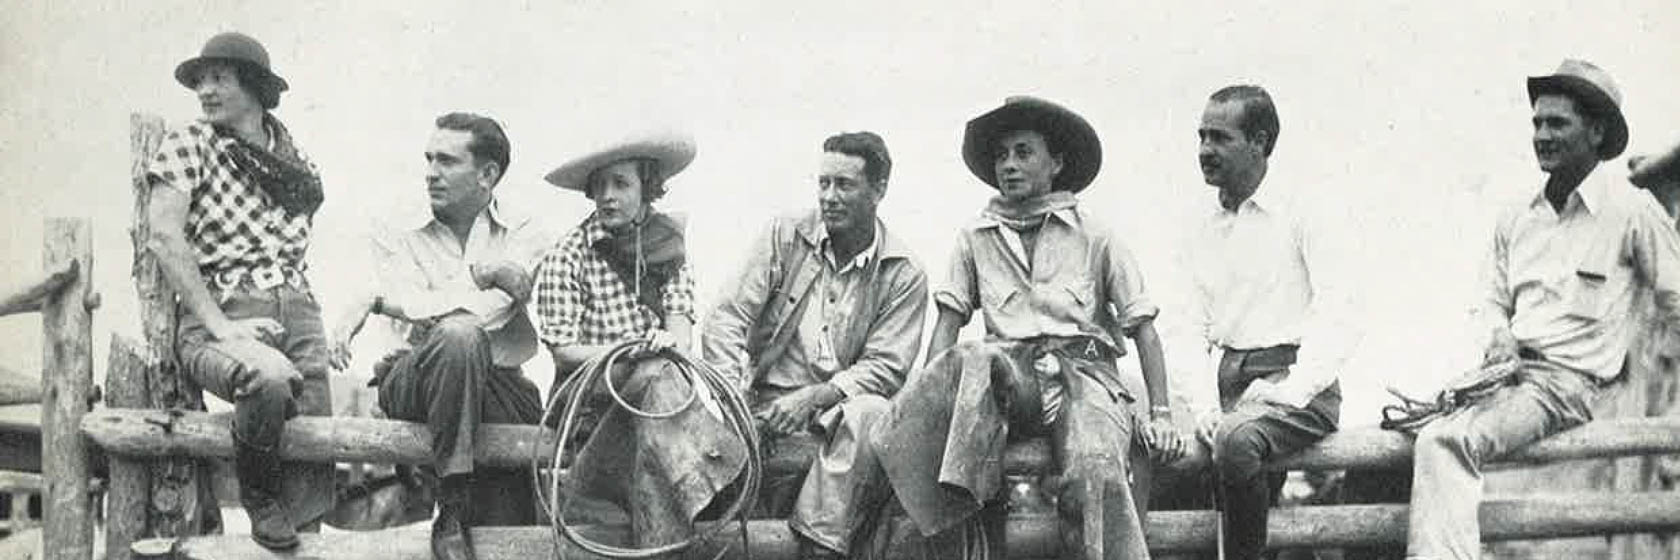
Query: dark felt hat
(1063, 129)
(234, 47)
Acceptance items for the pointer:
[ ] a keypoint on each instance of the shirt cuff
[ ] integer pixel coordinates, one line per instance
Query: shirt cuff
(950, 301)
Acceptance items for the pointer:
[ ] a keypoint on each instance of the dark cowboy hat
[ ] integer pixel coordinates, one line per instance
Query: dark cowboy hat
(234, 47)
(1592, 87)
(1063, 129)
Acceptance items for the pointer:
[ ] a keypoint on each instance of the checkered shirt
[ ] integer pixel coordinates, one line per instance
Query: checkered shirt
(580, 300)
(238, 233)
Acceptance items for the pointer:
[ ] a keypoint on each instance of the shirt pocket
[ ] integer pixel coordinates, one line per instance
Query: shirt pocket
(1589, 292)
(1079, 293)
(995, 295)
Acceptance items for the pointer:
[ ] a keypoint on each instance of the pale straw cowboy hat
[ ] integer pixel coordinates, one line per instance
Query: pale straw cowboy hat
(1657, 170)
(672, 150)
(1590, 86)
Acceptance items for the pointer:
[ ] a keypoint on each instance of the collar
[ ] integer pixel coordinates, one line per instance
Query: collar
(1590, 194)
(492, 211)
(1068, 216)
(811, 229)
(1264, 200)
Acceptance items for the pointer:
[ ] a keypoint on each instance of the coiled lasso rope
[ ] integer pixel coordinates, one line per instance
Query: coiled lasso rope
(567, 403)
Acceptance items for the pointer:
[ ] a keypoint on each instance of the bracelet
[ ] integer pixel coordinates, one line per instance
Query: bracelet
(1159, 411)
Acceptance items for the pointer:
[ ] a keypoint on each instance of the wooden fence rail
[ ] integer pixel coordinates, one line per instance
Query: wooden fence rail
(162, 433)
(1038, 536)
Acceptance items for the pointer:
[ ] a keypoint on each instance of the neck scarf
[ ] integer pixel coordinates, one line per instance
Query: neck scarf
(1030, 212)
(281, 173)
(645, 256)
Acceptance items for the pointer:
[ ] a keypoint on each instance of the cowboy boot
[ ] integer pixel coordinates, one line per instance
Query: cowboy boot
(259, 475)
(450, 538)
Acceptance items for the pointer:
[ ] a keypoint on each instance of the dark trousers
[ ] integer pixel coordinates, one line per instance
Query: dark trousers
(268, 381)
(449, 382)
(1251, 433)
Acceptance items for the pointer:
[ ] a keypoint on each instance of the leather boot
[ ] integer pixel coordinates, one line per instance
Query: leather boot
(450, 537)
(259, 475)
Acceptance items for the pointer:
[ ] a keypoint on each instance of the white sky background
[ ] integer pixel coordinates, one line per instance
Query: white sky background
(1406, 122)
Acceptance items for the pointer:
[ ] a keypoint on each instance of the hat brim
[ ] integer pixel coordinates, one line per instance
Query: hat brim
(1583, 91)
(186, 70)
(673, 152)
(1077, 139)
(1661, 170)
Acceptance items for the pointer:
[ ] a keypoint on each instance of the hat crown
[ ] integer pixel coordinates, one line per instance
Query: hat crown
(237, 46)
(1592, 74)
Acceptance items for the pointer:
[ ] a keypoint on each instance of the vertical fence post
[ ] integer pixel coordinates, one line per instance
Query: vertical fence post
(68, 357)
(178, 498)
(125, 504)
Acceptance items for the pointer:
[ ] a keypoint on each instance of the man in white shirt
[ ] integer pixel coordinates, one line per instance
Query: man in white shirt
(1265, 308)
(459, 282)
(1562, 281)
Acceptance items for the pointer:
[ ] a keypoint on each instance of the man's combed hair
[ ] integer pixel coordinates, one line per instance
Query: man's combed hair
(488, 143)
(1259, 114)
(877, 162)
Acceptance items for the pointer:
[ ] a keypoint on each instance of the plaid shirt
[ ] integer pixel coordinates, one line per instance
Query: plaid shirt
(237, 232)
(580, 300)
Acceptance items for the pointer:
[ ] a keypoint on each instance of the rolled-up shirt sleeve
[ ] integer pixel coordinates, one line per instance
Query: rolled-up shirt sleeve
(179, 162)
(1124, 281)
(960, 292)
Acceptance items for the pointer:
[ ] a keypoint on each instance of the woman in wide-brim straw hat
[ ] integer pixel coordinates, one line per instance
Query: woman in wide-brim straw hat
(623, 275)
(232, 204)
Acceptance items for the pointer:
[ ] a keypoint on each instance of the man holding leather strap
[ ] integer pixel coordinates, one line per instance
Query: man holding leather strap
(1266, 310)
(1566, 269)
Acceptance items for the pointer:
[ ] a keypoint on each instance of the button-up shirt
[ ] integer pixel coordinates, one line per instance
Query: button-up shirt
(580, 300)
(1262, 278)
(235, 230)
(795, 317)
(1565, 283)
(426, 272)
(1082, 281)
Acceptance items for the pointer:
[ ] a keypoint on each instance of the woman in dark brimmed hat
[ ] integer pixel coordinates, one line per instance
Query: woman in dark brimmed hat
(1058, 290)
(232, 205)
(619, 276)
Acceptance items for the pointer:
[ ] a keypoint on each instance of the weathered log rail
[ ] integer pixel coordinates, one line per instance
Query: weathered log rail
(161, 433)
(1037, 536)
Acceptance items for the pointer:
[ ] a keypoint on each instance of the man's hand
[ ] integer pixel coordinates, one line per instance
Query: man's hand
(1163, 440)
(505, 276)
(1501, 348)
(255, 328)
(793, 412)
(338, 351)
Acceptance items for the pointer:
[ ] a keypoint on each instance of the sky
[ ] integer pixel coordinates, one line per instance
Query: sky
(1404, 123)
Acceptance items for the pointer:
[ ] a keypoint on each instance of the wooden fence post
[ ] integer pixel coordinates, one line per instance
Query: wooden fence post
(177, 491)
(67, 328)
(125, 504)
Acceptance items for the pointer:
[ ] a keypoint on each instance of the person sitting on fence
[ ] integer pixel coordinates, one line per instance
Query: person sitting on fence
(623, 275)
(1563, 278)
(820, 327)
(1265, 294)
(231, 206)
(1061, 292)
(458, 284)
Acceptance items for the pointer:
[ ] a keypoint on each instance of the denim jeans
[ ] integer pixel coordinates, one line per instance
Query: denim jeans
(1448, 458)
(268, 380)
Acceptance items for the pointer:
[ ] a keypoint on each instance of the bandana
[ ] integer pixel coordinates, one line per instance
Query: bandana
(1027, 213)
(282, 173)
(645, 257)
